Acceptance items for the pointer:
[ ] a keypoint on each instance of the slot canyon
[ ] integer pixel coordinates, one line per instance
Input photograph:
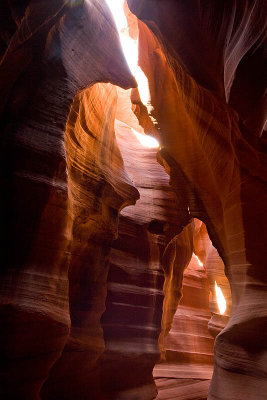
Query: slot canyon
(133, 203)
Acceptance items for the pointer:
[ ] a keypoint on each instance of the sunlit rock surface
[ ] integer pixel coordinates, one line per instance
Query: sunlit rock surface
(52, 50)
(186, 344)
(98, 187)
(132, 321)
(189, 339)
(219, 167)
(67, 239)
(220, 45)
(214, 268)
(190, 321)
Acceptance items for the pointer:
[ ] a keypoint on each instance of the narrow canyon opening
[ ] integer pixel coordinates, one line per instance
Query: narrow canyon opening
(146, 250)
(162, 300)
(160, 305)
(143, 324)
(133, 168)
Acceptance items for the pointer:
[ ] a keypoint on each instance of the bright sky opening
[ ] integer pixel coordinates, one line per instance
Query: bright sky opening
(130, 50)
(220, 299)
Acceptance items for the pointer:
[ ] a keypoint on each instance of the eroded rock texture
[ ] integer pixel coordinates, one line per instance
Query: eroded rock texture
(82, 304)
(216, 159)
(98, 187)
(51, 206)
(187, 345)
(214, 267)
(132, 321)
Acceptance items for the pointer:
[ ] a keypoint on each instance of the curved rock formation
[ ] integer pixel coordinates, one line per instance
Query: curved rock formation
(83, 280)
(185, 340)
(54, 50)
(98, 187)
(132, 321)
(224, 168)
(214, 267)
(219, 45)
(177, 256)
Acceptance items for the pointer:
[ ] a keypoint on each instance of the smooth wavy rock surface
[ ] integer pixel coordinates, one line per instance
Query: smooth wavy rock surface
(132, 321)
(223, 170)
(52, 50)
(98, 187)
(215, 272)
(182, 389)
(186, 344)
(188, 339)
(91, 284)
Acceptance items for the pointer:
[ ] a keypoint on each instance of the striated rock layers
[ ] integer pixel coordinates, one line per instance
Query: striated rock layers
(216, 161)
(62, 194)
(98, 187)
(82, 287)
(186, 337)
(132, 321)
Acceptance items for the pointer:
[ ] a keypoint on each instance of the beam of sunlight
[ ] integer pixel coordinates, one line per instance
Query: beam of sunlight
(146, 140)
(220, 299)
(130, 50)
(116, 7)
(198, 260)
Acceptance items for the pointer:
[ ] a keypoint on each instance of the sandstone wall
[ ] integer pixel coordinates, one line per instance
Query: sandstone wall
(220, 168)
(53, 50)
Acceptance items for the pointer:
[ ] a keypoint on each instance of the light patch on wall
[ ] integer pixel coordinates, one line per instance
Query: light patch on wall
(198, 260)
(220, 299)
(146, 140)
(130, 50)
(116, 7)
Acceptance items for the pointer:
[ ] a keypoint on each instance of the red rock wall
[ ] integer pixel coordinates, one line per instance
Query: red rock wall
(52, 52)
(223, 171)
(188, 347)
(98, 187)
(132, 321)
(64, 183)
(215, 272)
(189, 340)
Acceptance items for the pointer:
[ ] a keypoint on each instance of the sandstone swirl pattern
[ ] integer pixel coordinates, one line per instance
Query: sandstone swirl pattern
(215, 150)
(53, 50)
(92, 275)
